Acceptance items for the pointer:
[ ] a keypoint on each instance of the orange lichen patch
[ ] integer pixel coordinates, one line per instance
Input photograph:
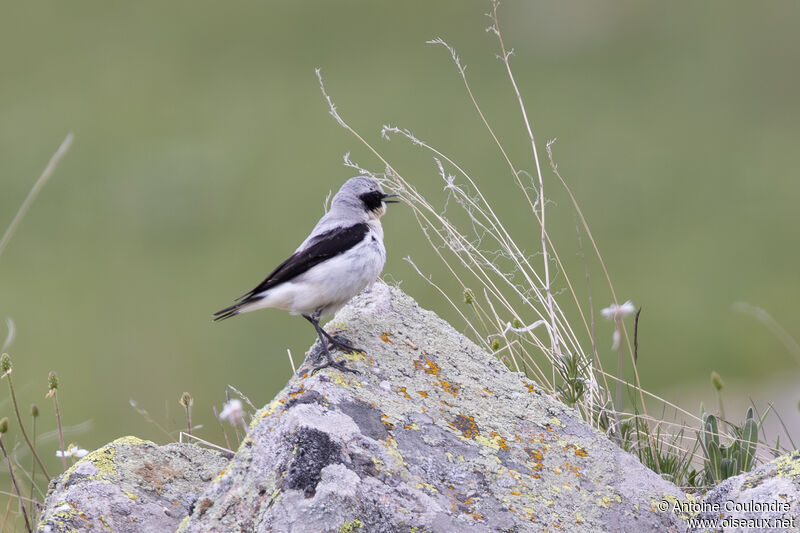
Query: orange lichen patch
(386, 422)
(475, 516)
(427, 364)
(385, 337)
(516, 493)
(467, 426)
(452, 388)
(549, 428)
(488, 391)
(536, 457)
(298, 392)
(403, 390)
(422, 393)
(499, 440)
(531, 388)
(568, 467)
(580, 452)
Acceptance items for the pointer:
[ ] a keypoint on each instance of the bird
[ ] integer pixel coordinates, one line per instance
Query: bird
(343, 255)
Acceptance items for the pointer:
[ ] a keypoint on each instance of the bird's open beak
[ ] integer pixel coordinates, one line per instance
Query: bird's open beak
(385, 196)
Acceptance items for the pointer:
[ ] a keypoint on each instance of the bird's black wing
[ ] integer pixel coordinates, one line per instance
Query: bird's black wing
(323, 247)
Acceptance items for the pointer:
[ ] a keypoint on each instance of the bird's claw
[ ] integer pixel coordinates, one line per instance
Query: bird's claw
(341, 343)
(338, 365)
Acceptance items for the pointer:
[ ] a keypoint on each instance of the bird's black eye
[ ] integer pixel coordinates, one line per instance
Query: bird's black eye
(372, 200)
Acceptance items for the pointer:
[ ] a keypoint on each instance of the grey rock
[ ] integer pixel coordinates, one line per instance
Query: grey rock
(433, 435)
(765, 499)
(130, 485)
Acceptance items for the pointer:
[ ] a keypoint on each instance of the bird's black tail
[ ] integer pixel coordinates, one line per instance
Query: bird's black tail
(228, 312)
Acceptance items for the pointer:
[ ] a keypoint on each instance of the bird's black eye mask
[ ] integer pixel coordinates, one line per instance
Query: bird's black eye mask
(373, 199)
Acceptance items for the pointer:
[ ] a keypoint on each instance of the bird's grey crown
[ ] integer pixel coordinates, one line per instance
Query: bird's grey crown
(350, 194)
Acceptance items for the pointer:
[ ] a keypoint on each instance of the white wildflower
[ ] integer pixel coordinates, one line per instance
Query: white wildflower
(72, 451)
(618, 312)
(232, 411)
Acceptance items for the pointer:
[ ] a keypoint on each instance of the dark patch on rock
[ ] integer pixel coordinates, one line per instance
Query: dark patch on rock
(367, 418)
(314, 450)
(467, 426)
(364, 466)
(310, 396)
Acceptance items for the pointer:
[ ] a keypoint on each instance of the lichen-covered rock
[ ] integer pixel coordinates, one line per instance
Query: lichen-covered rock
(130, 485)
(433, 435)
(766, 499)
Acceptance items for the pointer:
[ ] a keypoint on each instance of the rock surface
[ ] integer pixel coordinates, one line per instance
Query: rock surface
(130, 485)
(765, 499)
(433, 435)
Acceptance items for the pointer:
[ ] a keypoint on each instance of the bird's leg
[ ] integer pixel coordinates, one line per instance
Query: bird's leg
(338, 341)
(323, 339)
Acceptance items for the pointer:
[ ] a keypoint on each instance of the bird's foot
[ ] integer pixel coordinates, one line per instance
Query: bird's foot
(343, 344)
(322, 350)
(338, 365)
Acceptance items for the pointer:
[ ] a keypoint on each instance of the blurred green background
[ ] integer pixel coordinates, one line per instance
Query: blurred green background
(203, 152)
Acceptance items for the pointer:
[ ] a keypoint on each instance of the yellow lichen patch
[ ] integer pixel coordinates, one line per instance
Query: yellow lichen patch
(351, 526)
(486, 442)
(103, 460)
(466, 425)
(427, 364)
(385, 337)
(354, 356)
(403, 390)
(273, 405)
(131, 495)
(391, 448)
(556, 422)
(130, 440)
(579, 519)
(338, 379)
(427, 486)
(788, 465)
(499, 440)
(422, 393)
(412, 426)
(606, 501)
